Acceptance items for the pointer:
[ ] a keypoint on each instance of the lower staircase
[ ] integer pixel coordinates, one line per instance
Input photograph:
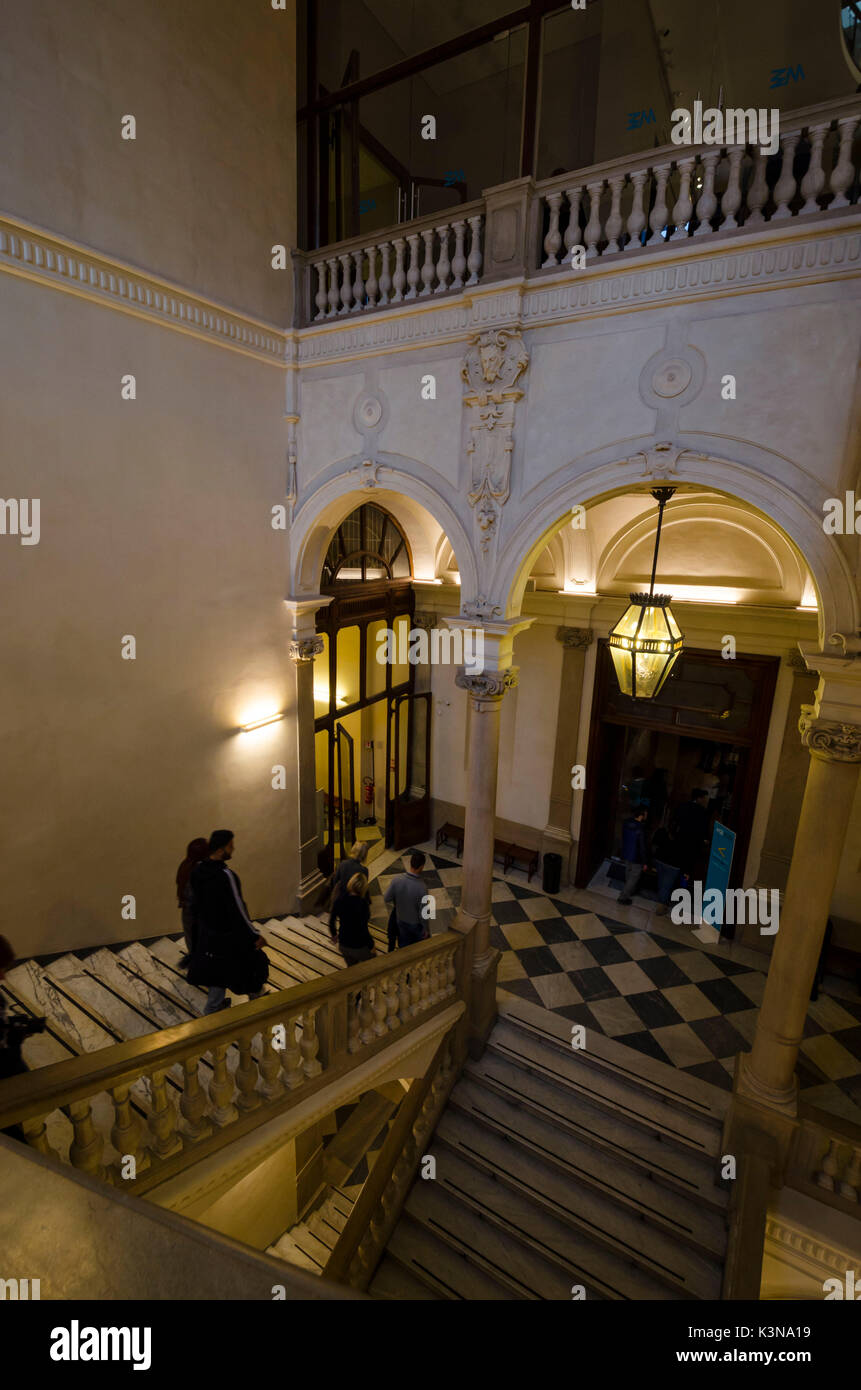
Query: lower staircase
(559, 1171)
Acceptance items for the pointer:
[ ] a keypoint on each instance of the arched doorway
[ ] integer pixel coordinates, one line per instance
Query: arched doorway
(372, 725)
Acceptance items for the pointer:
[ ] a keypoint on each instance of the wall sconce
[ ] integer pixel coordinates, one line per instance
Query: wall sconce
(259, 723)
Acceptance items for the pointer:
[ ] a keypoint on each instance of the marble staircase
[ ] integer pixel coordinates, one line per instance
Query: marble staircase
(559, 1169)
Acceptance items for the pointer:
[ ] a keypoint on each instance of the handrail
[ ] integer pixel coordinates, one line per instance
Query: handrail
(310, 1035)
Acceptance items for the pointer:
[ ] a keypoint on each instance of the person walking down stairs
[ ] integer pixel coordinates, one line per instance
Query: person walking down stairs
(352, 913)
(196, 851)
(229, 951)
(407, 892)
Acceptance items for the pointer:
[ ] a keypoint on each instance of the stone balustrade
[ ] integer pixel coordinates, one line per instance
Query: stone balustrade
(626, 207)
(144, 1110)
(424, 258)
(679, 192)
(825, 1159)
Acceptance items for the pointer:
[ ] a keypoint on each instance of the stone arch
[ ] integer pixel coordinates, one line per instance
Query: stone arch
(420, 512)
(799, 521)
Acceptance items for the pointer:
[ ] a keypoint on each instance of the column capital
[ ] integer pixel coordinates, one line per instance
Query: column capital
(576, 637)
(306, 648)
(489, 686)
(829, 739)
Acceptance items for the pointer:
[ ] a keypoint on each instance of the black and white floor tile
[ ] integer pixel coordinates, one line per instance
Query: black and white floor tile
(658, 990)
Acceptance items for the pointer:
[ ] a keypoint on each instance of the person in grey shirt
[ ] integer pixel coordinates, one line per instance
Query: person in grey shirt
(407, 892)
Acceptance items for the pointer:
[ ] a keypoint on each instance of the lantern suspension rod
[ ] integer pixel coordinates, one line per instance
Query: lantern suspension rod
(662, 496)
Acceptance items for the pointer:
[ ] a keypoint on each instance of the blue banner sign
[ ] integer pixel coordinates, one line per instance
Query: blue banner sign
(720, 862)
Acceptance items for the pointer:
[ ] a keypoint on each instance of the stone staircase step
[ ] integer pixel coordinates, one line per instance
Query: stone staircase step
(612, 1135)
(314, 939)
(605, 1086)
(142, 995)
(310, 1244)
(315, 957)
(608, 1209)
(73, 1026)
(394, 1281)
(286, 1249)
(517, 1234)
(170, 982)
(353, 1140)
(443, 1266)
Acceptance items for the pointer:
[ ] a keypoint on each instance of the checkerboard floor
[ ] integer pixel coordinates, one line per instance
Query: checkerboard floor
(687, 1005)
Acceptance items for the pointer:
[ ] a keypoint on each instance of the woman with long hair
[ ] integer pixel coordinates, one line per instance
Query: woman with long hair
(196, 851)
(352, 912)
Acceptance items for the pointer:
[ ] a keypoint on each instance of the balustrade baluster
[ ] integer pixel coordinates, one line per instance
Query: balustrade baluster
(683, 206)
(814, 180)
(247, 1097)
(322, 298)
(192, 1103)
(434, 992)
(379, 1007)
(443, 265)
(36, 1134)
(400, 278)
(850, 1183)
(269, 1066)
(87, 1146)
(162, 1120)
(636, 217)
(572, 231)
(757, 194)
(731, 200)
(334, 296)
(659, 214)
(392, 1000)
(372, 285)
(346, 283)
(473, 260)
(592, 234)
(613, 228)
(784, 189)
(451, 974)
(553, 239)
(127, 1130)
(458, 264)
(309, 1044)
(830, 1168)
(843, 172)
(354, 1039)
(291, 1060)
(221, 1087)
(366, 1016)
(428, 268)
(415, 991)
(707, 201)
(385, 274)
(413, 272)
(424, 983)
(358, 283)
(404, 992)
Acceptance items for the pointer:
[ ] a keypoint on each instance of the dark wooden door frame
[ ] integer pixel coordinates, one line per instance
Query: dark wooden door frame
(753, 742)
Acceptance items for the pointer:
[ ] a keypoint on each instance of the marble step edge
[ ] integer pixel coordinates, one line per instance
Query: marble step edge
(675, 1087)
(711, 1243)
(609, 1257)
(399, 1249)
(632, 1218)
(703, 1188)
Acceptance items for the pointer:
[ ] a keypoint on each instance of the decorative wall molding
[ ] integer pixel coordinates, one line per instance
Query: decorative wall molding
(805, 1252)
(491, 368)
(50, 260)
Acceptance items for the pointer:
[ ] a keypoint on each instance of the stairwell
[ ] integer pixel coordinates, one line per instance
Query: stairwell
(558, 1168)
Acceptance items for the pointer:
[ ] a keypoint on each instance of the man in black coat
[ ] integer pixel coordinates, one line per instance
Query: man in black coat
(228, 954)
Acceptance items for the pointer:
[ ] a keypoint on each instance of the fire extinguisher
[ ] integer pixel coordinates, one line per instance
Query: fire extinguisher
(368, 793)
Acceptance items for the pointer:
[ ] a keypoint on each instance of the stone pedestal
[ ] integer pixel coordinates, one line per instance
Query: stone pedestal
(767, 1073)
(305, 645)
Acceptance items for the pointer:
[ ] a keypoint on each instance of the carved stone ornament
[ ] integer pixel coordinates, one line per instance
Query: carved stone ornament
(428, 621)
(661, 459)
(576, 637)
(829, 739)
(367, 474)
(306, 648)
(480, 607)
(490, 685)
(491, 368)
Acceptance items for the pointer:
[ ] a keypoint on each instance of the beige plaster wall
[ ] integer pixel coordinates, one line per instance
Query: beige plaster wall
(155, 522)
(207, 187)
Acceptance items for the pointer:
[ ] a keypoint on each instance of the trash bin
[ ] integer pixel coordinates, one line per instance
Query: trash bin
(552, 873)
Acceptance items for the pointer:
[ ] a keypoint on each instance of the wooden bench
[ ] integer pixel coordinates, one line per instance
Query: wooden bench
(528, 858)
(449, 833)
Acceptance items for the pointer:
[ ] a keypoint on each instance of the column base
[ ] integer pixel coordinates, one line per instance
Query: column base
(749, 1087)
(309, 891)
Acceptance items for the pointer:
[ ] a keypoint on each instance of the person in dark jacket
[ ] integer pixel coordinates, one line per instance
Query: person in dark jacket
(690, 828)
(354, 863)
(196, 851)
(633, 852)
(352, 912)
(228, 952)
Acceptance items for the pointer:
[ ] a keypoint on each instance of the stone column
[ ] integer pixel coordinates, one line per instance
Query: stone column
(485, 689)
(556, 836)
(767, 1073)
(304, 646)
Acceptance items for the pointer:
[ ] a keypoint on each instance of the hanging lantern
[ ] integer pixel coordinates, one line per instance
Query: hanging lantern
(646, 641)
